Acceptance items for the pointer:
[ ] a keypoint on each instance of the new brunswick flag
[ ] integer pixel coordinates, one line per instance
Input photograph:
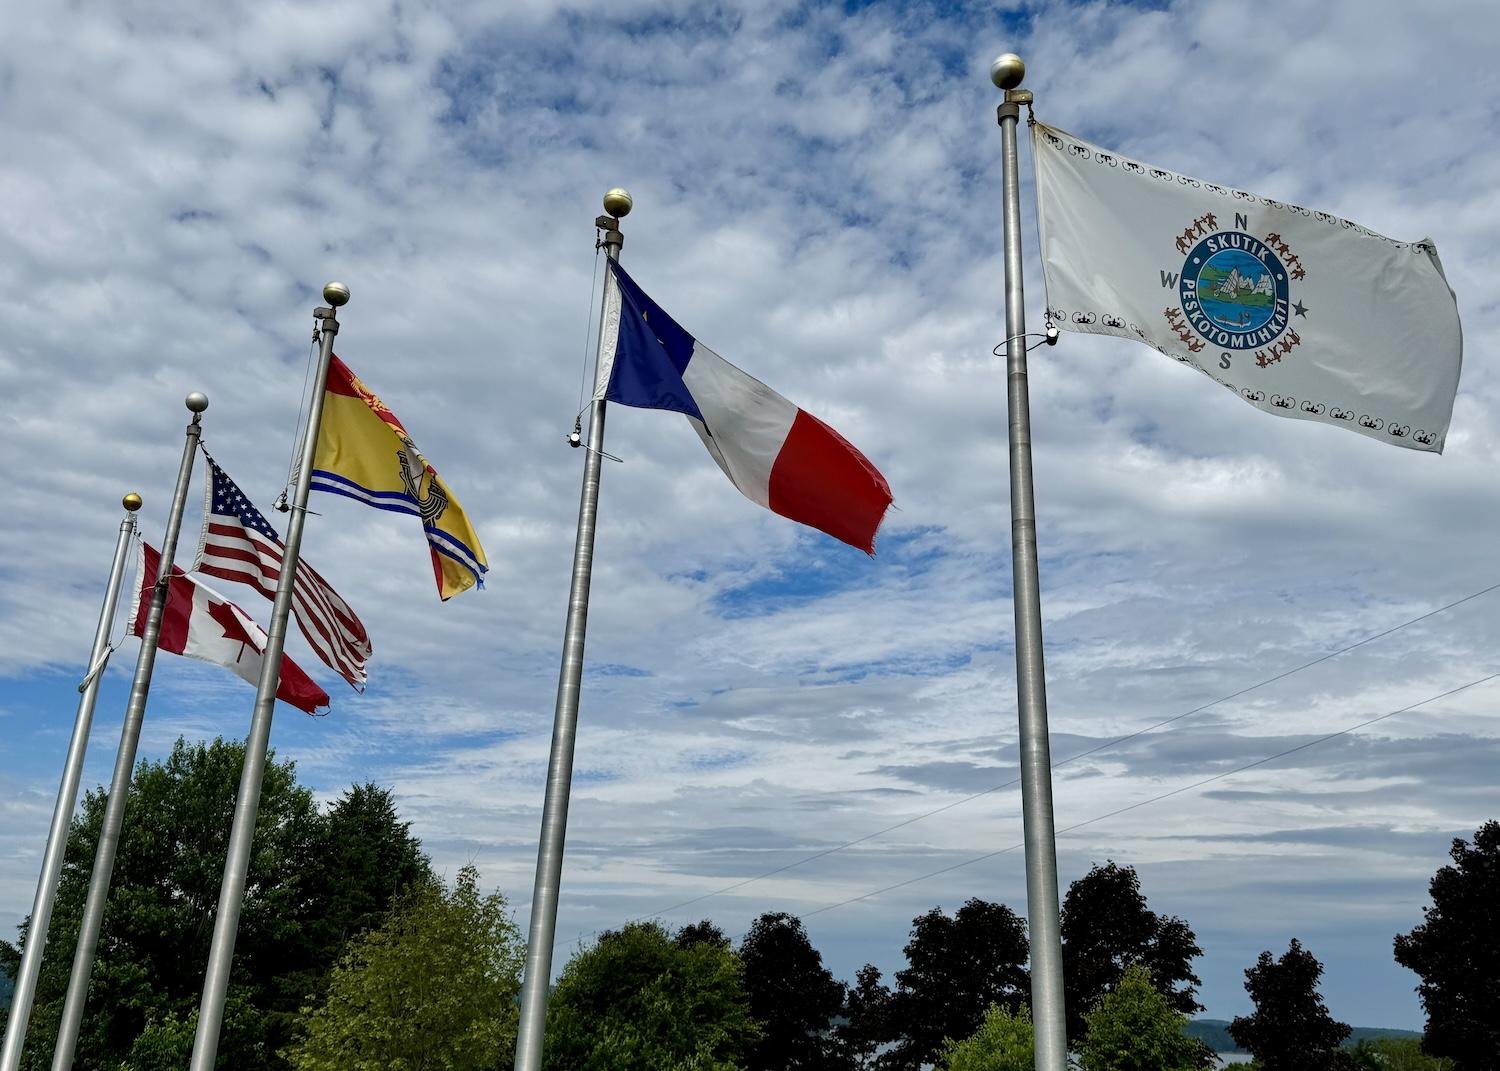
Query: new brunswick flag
(364, 453)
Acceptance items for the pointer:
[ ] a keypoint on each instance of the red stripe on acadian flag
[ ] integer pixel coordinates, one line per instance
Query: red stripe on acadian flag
(819, 479)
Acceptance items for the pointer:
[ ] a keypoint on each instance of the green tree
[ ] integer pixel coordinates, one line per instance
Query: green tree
(1291, 1029)
(367, 858)
(1107, 927)
(792, 995)
(362, 858)
(1134, 1027)
(434, 987)
(1456, 953)
(1396, 1054)
(867, 1020)
(157, 925)
(1003, 1042)
(699, 933)
(639, 1001)
(956, 968)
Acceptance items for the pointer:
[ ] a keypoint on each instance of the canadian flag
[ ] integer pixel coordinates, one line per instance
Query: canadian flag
(201, 623)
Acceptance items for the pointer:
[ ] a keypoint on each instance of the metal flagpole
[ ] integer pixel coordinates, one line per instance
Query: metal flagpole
(1048, 1016)
(549, 854)
(247, 800)
(130, 738)
(67, 796)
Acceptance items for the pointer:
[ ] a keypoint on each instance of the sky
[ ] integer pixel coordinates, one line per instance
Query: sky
(817, 198)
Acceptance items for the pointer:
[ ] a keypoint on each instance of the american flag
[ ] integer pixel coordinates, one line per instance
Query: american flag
(238, 543)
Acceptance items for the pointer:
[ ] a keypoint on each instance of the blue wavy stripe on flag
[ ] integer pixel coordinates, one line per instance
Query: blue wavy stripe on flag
(394, 501)
(450, 547)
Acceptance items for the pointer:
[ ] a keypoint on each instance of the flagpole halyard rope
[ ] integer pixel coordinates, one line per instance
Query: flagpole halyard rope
(291, 463)
(102, 662)
(588, 331)
(542, 929)
(208, 500)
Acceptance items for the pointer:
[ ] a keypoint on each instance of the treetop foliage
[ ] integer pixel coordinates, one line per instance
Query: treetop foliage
(699, 933)
(792, 995)
(315, 879)
(1456, 953)
(637, 1000)
(1107, 928)
(1290, 1029)
(1003, 1042)
(867, 1020)
(957, 967)
(434, 987)
(1134, 1027)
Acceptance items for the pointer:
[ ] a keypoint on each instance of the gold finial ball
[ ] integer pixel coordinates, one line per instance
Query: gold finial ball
(132, 502)
(618, 203)
(1007, 70)
(336, 294)
(196, 402)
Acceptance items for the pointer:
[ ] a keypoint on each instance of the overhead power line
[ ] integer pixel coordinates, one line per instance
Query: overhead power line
(1071, 758)
(1158, 798)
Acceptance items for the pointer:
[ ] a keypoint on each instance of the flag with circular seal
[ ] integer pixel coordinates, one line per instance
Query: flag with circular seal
(1300, 313)
(364, 453)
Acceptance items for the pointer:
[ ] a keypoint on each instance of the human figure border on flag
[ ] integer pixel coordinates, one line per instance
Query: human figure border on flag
(1300, 313)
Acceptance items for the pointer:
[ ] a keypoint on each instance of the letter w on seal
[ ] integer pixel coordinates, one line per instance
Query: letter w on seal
(1373, 321)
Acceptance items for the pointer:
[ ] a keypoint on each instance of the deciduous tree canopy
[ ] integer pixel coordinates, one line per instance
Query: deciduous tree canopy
(434, 987)
(957, 966)
(1134, 1027)
(1456, 952)
(792, 995)
(1003, 1042)
(1290, 1029)
(638, 1001)
(300, 904)
(1106, 928)
(867, 1022)
(1396, 1054)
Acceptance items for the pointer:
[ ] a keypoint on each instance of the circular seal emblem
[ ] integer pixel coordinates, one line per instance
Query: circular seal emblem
(1234, 291)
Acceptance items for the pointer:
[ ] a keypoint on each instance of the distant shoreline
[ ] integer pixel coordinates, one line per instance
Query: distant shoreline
(1215, 1034)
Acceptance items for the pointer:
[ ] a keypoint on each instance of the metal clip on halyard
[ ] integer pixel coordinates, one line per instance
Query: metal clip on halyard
(575, 440)
(1048, 337)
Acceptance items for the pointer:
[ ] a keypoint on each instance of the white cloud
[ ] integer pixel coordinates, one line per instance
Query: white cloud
(817, 197)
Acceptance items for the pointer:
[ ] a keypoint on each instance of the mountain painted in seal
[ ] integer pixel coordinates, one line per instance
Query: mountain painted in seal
(1239, 289)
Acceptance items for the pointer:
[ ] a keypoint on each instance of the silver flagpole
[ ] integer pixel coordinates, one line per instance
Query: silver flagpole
(252, 774)
(549, 853)
(67, 796)
(1049, 1020)
(130, 738)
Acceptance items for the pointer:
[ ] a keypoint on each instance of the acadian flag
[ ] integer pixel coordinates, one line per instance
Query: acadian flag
(1300, 313)
(778, 455)
(364, 453)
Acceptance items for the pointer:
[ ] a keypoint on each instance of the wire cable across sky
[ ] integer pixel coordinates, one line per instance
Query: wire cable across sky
(1162, 796)
(824, 853)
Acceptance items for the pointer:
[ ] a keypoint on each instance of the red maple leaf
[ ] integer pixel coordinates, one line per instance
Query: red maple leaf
(234, 628)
